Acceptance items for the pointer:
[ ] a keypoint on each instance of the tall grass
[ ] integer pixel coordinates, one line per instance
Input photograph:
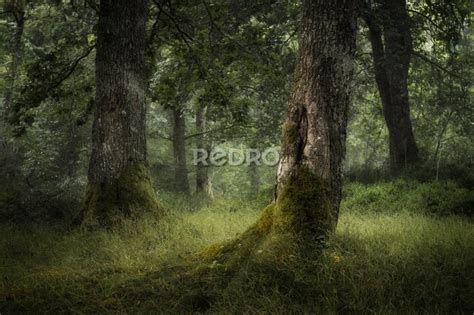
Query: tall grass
(383, 259)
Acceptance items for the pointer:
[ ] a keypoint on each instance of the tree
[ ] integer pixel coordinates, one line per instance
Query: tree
(390, 37)
(309, 179)
(18, 12)
(202, 143)
(119, 183)
(179, 151)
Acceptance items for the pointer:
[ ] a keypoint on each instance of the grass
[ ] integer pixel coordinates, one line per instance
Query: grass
(390, 255)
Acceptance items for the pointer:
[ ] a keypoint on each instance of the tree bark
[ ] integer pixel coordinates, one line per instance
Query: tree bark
(119, 183)
(202, 171)
(390, 37)
(315, 129)
(179, 151)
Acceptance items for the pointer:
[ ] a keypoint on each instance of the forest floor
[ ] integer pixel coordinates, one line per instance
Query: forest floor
(400, 247)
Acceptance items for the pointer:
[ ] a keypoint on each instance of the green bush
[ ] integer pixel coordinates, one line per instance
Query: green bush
(434, 198)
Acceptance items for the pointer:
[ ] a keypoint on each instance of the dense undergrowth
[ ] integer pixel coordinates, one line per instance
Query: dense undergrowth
(400, 247)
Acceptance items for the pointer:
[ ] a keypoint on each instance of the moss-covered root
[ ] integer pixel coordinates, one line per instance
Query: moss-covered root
(288, 231)
(128, 196)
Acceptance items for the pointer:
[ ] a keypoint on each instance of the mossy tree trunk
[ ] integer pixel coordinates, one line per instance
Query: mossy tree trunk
(309, 179)
(314, 133)
(390, 37)
(119, 184)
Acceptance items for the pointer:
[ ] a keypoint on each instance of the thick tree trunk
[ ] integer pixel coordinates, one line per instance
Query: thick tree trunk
(179, 151)
(315, 128)
(202, 171)
(390, 37)
(119, 183)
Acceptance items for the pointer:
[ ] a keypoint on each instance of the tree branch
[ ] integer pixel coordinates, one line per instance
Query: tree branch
(159, 135)
(426, 17)
(209, 131)
(172, 19)
(437, 65)
(73, 67)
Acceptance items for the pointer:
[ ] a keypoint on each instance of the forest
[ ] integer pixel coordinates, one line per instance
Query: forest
(236, 157)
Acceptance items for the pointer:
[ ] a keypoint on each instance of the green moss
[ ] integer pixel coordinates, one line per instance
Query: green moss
(303, 205)
(290, 135)
(128, 196)
(300, 215)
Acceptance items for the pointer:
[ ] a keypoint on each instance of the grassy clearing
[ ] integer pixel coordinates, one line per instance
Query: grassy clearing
(383, 259)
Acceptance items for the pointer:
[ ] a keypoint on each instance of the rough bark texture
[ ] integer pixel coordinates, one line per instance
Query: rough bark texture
(119, 183)
(390, 37)
(179, 151)
(315, 128)
(202, 174)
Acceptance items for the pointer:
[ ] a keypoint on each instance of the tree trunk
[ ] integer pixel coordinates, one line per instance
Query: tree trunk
(16, 50)
(202, 171)
(119, 183)
(254, 179)
(310, 171)
(179, 151)
(390, 37)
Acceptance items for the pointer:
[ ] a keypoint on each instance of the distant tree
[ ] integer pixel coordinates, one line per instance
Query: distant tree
(391, 41)
(179, 151)
(119, 183)
(17, 10)
(202, 144)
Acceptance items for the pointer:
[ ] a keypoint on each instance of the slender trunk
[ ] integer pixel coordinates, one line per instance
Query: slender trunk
(202, 175)
(390, 37)
(309, 179)
(179, 151)
(16, 49)
(254, 179)
(119, 183)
